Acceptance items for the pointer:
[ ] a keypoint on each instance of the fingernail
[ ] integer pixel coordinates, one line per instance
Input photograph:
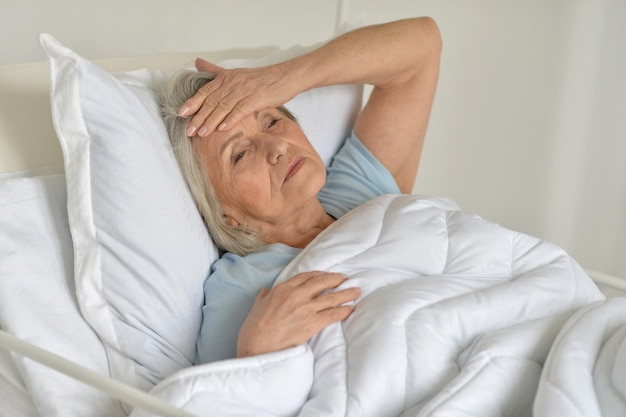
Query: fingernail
(222, 127)
(183, 111)
(203, 131)
(191, 130)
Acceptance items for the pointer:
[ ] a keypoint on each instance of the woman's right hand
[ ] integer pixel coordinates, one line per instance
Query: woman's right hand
(233, 95)
(294, 311)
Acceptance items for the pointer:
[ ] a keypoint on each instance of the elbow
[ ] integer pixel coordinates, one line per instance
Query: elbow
(431, 35)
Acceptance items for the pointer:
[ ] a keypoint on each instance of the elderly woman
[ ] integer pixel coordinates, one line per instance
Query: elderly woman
(265, 193)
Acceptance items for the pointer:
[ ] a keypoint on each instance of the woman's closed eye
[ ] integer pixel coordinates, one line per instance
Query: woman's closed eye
(270, 121)
(238, 156)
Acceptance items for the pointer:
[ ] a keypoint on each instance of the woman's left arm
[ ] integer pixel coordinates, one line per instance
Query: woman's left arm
(401, 60)
(393, 123)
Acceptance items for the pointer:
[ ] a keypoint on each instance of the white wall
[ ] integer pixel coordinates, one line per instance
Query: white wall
(529, 124)
(115, 28)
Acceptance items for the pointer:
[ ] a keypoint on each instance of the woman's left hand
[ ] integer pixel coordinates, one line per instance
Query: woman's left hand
(294, 311)
(233, 95)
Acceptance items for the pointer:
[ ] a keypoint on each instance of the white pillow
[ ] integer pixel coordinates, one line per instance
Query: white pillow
(141, 251)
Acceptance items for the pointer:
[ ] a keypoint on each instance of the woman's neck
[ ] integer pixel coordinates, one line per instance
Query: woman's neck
(299, 231)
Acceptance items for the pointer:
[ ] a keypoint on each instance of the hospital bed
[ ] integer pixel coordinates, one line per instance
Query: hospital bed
(102, 260)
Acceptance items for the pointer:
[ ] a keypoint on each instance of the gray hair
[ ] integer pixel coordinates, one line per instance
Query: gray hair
(172, 94)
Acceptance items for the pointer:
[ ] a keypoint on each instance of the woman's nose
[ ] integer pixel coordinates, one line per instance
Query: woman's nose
(276, 149)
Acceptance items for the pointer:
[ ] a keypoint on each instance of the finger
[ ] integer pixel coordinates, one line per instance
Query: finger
(302, 277)
(193, 104)
(263, 293)
(237, 113)
(325, 281)
(313, 283)
(211, 114)
(337, 298)
(205, 66)
(222, 114)
(216, 106)
(333, 315)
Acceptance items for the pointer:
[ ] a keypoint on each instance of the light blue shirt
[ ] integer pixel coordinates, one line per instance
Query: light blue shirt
(354, 177)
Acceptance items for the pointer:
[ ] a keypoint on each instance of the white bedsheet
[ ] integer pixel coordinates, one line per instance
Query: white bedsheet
(456, 318)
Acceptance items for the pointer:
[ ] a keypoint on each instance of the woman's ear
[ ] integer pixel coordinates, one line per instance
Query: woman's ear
(231, 221)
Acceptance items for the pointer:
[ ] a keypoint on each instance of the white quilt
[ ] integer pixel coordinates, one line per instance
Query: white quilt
(456, 318)
(585, 373)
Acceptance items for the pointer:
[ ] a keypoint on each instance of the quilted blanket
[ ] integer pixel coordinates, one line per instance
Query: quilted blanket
(585, 373)
(457, 316)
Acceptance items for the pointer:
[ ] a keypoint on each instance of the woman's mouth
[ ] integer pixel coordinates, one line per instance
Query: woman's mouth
(294, 168)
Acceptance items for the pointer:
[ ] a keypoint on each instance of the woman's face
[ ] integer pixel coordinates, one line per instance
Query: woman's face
(264, 170)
